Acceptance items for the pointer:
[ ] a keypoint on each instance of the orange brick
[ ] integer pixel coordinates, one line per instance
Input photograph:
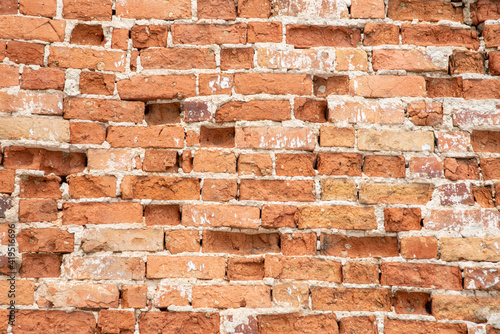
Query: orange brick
(82, 295)
(178, 59)
(291, 294)
(350, 299)
(387, 86)
(179, 322)
(255, 164)
(169, 295)
(360, 272)
(150, 137)
(180, 241)
(481, 88)
(235, 216)
(298, 243)
(444, 87)
(276, 138)
(43, 78)
(277, 215)
(101, 213)
(274, 110)
(215, 84)
(351, 60)
(36, 102)
(415, 326)
(367, 9)
(118, 240)
(422, 167)
(232, 296)
(7, 181)
(402, 219)
(422, 113)
(236, 58)
(162, 215)
(337, 216)
(110, 321)
(8, 7)
(490, 34)
(481, 278)
(277, 190)
(340, 245)
(40, 265)
(87, 10)
(384, 166)
(65, 57)
(37, 210)
(265, 32)
(295, 164)
(409, 193)
(97, 83)
(87, 133)
(240, 243)
(336, 137)
(254, 8)
(303, 36)
(119, 39)
(84, 34)
(88, 186)
(385, 112)
(295, 323)
(463, 307)
(214, 162)
(155, 87)
(134, 296)
(153, 187)
(303, 268)
(29, 321)
(419, 247)
(405, 302)
(151, 9)
(204, 34)
(219, 190)
(336, 85)
(294, 59)
(245, 269)
(24, 292)
(339, 163)
(201, 267)
(427, 35)
(272, 83)
(310, 110)
(9, 76)
(104, 268)
(149, 36)
(104, 159)
(338, 189)
(103, 110)
(408, 60)
(51, 240)
(421, 275)
(404, 10)
(380, 33)
(466, 62)
(358, 325)
(32, 28)
(25, 53)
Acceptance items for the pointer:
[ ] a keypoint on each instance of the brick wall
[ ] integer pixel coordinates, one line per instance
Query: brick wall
(251, 166)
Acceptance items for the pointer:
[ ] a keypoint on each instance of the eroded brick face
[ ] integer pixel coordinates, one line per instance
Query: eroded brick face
(250, 166)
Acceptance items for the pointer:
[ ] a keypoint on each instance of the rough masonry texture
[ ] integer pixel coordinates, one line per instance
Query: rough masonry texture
(250, 166)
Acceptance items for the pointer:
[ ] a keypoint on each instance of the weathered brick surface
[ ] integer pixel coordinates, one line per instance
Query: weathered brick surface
(250, 166)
